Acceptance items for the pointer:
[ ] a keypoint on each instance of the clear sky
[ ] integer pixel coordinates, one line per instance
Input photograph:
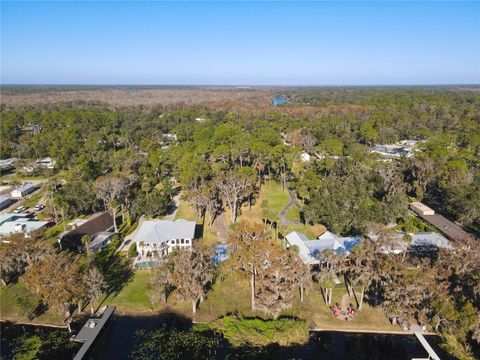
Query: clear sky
(243, 43)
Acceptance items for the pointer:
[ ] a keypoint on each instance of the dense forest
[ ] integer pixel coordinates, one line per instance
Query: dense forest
(89, 143)
(129, 160)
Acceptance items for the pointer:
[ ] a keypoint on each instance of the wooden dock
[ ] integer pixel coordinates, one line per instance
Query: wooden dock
(431, 353)
(90, 332)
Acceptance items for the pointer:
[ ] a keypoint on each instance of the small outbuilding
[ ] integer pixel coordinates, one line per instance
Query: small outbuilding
(421, 209)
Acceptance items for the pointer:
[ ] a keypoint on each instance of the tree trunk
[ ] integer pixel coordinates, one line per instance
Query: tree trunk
(63, 219)
(234, 213)
(114, 211)
(301, 293)
(324, 294)
(55, 215)
(194, 307)
(252, 288)
(361, 298)
(92, 310)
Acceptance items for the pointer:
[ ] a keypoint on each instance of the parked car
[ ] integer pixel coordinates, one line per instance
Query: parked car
(39, 207)
(19, 209)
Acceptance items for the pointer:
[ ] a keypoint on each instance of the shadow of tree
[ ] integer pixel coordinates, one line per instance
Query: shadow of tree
(115, 268)
(198, 231)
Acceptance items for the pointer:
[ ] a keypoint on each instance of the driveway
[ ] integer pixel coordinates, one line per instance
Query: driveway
(293, 202)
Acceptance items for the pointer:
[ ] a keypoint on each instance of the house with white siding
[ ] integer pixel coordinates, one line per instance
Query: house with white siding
(158, 238)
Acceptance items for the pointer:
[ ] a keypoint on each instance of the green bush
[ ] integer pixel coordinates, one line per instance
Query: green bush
(283, 331)
(132, 251)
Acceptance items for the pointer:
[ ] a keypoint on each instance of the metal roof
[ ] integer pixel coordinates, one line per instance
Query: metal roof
(4, 199)
(310, 250)
(24, 187)
(10, 227)
(430, 239)
(160, 231)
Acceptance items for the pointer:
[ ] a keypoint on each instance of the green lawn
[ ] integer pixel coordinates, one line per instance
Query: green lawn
(133, 297)
(277, 197)
(293, 213)
(314, 310)
(227, 296)
(9, 309)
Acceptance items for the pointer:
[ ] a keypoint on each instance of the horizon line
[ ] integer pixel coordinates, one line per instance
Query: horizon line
(240, 85)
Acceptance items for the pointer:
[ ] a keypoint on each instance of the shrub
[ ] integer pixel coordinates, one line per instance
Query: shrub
(284, 331)
(132, 251)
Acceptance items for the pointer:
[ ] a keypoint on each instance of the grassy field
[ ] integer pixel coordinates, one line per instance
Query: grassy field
(276, 196)
(133, 298)
(272, 192)
(293, 213)
(318, 315)
(10, 310)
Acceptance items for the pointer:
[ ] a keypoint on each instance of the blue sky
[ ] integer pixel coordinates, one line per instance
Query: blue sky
(243, 43)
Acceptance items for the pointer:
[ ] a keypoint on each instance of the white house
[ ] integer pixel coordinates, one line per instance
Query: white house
(158, 238)
(310, 251)
(22, 191)
(19, 223)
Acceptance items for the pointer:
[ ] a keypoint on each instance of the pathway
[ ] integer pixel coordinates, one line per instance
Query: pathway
(127, 241)
(221, 228)
(293, 201)
(173, 208)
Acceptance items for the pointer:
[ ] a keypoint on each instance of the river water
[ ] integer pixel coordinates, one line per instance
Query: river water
(118, 339)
